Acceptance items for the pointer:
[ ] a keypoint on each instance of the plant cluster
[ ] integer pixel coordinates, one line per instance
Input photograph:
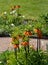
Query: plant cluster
(13, 20)
(32, 58)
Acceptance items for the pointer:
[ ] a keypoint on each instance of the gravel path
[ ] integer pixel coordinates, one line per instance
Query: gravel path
(5, 43)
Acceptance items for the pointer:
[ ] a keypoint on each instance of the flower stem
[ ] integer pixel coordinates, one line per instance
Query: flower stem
(25, 54)
(28, 48)
(15, 50)
(37, 45)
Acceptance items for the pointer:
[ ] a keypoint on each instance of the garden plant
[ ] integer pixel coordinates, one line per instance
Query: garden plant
(18, 28)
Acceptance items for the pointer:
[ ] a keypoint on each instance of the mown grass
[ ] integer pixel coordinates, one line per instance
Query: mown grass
(29, 8)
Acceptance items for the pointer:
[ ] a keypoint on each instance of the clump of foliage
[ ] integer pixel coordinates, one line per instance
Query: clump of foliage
(33, 57)
(14, 19)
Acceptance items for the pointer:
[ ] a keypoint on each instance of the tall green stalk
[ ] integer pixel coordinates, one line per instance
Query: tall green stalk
(15, 50)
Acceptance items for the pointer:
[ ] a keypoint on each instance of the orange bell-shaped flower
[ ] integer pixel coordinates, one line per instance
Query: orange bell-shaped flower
(16, 45)
(25, 43)
(18, 6)
(39, 33)
(27, 33)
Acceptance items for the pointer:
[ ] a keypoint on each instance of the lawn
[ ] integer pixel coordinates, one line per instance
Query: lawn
(29, 8)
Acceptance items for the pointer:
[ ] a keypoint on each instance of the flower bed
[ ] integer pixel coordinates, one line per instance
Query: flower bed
(9, 21)
(17, 28)
(22, 57)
